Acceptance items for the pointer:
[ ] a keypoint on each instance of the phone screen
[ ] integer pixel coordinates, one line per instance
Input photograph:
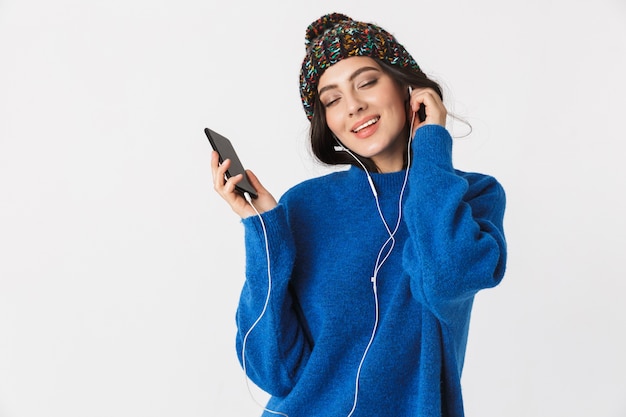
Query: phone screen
(225, 149)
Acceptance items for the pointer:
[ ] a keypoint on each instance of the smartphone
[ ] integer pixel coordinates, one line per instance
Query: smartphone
(226, 151)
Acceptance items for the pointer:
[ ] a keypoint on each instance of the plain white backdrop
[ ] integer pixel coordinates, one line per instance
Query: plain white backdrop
(120, 268)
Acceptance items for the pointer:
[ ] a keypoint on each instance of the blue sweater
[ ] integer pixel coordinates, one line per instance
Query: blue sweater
(324, 237)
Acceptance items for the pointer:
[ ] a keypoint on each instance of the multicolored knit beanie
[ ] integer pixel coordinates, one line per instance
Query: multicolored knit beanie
(334, 37)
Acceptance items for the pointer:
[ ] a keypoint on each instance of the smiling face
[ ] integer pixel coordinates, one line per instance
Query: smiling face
(366, 109)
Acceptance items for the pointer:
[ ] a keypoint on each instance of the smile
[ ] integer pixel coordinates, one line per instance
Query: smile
(366, 124)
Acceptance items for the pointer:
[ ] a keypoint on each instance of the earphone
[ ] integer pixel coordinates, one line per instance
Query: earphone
(267, 300)
(379, 262)
(382, 257)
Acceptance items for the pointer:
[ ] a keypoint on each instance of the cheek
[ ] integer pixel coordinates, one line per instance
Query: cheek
(333, 120)
(399, 109)
(397, 98)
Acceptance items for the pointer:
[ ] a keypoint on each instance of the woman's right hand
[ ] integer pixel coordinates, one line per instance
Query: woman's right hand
(226, 189)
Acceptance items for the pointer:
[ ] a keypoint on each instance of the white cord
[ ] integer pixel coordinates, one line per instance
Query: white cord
(267, 300)
(379, 262)
(371, 182)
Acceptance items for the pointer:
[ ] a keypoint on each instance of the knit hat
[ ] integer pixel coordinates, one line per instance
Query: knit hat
(334, 37)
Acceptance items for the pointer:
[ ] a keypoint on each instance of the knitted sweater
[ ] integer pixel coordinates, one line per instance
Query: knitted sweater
(324, 238)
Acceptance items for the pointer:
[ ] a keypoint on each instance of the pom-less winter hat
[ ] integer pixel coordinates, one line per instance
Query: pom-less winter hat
(334, 37)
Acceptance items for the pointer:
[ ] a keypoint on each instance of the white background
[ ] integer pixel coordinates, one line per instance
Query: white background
(120, 268)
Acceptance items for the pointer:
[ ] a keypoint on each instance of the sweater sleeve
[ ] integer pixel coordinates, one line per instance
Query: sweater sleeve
(276, 346)
(456, 245)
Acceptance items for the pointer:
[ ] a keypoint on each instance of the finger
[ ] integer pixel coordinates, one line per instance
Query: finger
(231, 184)
(424, 96)
(227, 187)
(254, 181)
(219, 175)
(214, 162)
(435, 109)
(416, 102)
(265, 200)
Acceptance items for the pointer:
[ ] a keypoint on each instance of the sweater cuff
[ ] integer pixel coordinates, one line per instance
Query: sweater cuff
(281, 248)
(276, 225)
(433, 144)
(275, 222)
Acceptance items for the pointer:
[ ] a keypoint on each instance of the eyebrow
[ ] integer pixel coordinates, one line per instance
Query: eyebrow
(351, 78)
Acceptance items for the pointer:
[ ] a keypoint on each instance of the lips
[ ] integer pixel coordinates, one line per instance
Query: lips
(364, 124)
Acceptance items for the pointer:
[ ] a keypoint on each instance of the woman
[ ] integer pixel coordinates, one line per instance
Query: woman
(364, 309)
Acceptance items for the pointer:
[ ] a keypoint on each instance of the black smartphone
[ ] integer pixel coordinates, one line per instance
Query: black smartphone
(225, 149)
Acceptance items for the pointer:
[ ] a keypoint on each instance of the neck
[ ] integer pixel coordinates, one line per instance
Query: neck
(394, 161)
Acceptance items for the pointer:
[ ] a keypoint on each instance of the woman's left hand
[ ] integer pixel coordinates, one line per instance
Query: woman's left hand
(436, 112)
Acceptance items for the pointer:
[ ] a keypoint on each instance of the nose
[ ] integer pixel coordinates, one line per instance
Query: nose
(355, 104)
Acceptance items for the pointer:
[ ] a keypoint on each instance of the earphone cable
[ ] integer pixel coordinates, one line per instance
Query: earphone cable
(267, 300)
(379, 262)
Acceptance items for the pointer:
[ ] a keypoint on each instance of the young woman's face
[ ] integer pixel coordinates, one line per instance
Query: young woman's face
(366, 109)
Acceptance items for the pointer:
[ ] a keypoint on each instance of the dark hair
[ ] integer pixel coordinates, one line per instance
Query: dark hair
(323, 141)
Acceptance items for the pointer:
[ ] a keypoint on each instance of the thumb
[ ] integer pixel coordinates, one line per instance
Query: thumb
(254, 180)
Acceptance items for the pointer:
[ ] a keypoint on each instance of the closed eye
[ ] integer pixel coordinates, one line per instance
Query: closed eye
(368, 83)
(330, 102)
